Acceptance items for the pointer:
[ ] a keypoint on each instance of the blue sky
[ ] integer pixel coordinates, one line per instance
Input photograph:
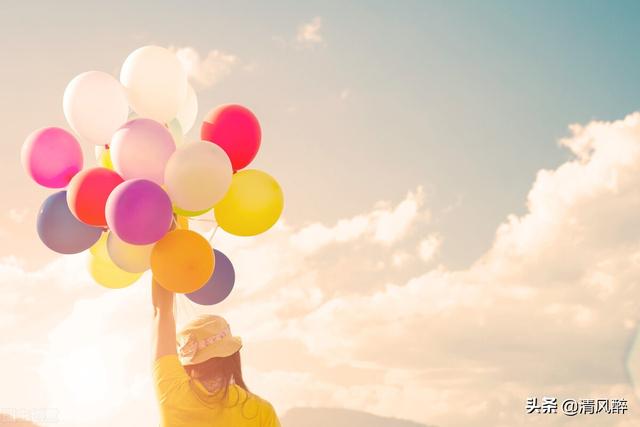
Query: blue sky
(464, 98)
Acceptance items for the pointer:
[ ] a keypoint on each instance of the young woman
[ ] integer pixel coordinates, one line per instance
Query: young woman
(200, 383)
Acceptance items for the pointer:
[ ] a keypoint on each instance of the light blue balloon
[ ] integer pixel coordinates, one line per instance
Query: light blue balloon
(60, 230)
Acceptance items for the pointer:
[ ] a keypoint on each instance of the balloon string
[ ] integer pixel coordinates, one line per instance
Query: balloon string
(202, 219)
(213, 233)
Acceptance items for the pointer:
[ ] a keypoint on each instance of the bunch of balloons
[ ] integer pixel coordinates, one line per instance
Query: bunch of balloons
(132, 210)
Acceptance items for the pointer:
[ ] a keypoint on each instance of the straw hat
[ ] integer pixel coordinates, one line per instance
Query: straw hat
(205, 337)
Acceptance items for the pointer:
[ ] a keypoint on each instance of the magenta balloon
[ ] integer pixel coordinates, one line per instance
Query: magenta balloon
(51, 156)
(139, 212)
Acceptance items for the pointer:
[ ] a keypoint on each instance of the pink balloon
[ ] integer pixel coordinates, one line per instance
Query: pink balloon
(141, 149)
(139, 212)
(235, 129)
(51, 156)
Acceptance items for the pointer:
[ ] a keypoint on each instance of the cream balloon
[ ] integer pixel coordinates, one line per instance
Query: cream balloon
(95, 105)
(189, 111)
(197, 176)
(128, 257)
(155, 81)
(99, 150)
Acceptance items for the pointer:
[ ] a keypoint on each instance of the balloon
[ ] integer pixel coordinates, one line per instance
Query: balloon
(131, 258)
(98, 150)
(88, 192)
(197, 176)
(155, 81)
(236, 130)
(104, 159)
(99, 249)
(252, 205)
(182, 261)
(95, 105)
(141, 149)
(62, 232)
(107, 274)
(183, 212)
(51, 156)
(182, 222)
(176, 132)
(139, 212)
(188, 111)
(219, 285)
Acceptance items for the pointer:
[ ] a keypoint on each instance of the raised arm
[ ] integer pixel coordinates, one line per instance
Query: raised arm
(164, 324)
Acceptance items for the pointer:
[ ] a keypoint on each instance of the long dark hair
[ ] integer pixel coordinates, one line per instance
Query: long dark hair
(223, 370)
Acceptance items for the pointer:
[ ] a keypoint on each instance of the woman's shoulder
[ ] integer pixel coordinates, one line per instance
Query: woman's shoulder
(259, 403)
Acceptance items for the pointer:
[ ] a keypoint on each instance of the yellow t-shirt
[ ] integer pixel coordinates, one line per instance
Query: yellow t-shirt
(185, 402)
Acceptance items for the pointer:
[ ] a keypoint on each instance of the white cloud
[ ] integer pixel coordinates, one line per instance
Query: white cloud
(400, 258)
(428, 247)
(309, 32)
(209, 70)
(18, 215)
(385, 224)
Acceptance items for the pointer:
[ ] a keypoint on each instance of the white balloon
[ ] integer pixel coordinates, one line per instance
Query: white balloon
(95, 105)
(156, 82)
(197, 176)
(128, 257)
(98, 150)
(189, 111)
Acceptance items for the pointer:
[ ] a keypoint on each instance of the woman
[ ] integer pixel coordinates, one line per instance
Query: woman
(200, 383)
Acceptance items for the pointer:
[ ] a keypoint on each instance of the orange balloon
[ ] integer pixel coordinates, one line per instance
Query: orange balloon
(182, 261)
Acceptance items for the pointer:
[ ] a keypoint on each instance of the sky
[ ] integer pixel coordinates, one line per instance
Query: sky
(460, 229)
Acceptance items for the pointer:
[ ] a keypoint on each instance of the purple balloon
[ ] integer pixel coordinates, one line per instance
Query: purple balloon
(139, 212)
(60, 230)
(219, 285)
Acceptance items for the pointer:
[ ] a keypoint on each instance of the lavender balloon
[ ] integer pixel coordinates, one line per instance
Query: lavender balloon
(139, 212)
(60, 230)
(219, 285)
(140, 149)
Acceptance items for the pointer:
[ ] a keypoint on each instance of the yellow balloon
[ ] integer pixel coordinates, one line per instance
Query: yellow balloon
(99, 248)
(182, 212)
(105, 159)
(183, 222)
(107, 274)
(182, 261)
(252, 205)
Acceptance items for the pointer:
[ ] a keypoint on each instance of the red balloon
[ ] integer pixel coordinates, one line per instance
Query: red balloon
(88, 192)
(236, 130)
